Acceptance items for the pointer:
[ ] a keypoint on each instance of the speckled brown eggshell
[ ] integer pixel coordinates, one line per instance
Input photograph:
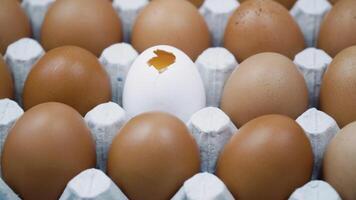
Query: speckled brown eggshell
(338, 28)
(266, 83)
(69, 75)
(268, 158)
(90, 24)
(337, 92)
(286, 3)
(171, 22)
(340, 162)
(6, 82)
(48, 146)
(152, 156)
(14, 23)
(262, 26)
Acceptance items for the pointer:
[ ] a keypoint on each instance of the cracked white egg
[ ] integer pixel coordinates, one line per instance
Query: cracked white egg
(163, 78)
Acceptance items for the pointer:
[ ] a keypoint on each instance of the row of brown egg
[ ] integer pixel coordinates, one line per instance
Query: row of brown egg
(154, 153)
(254, 27)
(299, 90)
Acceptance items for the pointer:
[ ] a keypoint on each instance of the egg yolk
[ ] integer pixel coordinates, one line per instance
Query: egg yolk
(162, 60)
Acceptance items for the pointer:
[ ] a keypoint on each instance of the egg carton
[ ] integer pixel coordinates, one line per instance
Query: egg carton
(210, 126)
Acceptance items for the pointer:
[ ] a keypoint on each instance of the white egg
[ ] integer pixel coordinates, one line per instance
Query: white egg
(177, 88)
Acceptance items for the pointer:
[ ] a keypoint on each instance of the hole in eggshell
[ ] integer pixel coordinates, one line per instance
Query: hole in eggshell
(162, 60)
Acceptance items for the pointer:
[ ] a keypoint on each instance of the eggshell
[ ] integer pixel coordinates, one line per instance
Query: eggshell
(266, 83)
(171, 22)
(337, 92)
(286, 3)
(70, 75)
(340, 163)
(6, 82)
(178, 89)
(49, 145)
(14, 23)
(90, 24)
(262, 26)
(152, 156)
(337, 30)
(268, 158)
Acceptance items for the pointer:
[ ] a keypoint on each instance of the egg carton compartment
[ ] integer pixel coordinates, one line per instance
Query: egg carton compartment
(210, 126)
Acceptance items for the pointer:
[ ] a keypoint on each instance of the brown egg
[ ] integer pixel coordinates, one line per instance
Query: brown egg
(171, 22)
(340, 162)
(337, 30)
(48, 146)
(90, 24)
(268, 158)
(286, 3)
(262, 26)
(152, 156)
(197, 3)
(6, 83)
(333, 1)
(266, 83)
(337, 92)
(14, 23)
(69, 75)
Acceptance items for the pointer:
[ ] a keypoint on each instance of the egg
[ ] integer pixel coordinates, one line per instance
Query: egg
(197, 3)
(337, 92)
(171, 22)
(262, 26)
(7, 85)
(333, 1)
(268, 158)
(266, 83)
(14, 23)
(90, 24)
(163, 78)
(48, 145)
(152, 155)
(337, 30)
(69, 75)
(286, 3)
(340, 163)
